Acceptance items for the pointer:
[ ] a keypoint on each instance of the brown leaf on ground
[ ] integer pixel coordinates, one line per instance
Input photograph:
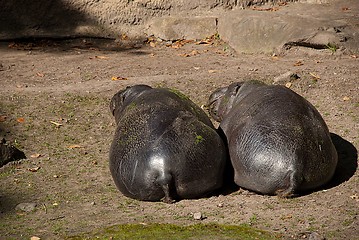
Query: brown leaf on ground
(298, 63)
(314, 76)
(39, 74)
(193, 53)
(34, 169)
(74, 146)
(101, 57)
(288, 84)
(3, 118)
(56, 123)
(20, 120)
(179, 43)
(118, 78)
(35, 155)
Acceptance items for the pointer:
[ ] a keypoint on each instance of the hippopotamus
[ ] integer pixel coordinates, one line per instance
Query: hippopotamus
(165, 147)
(278, 142)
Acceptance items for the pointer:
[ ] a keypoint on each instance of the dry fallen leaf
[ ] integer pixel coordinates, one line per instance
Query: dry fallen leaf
(298, 63)
(35, 155)
(39, 74)
(124, 36)
(193, 53)
(288, 84)
(152, 44)
(20, 120)
(212, 71)
(34, 169)
(314, 76)
(35, 238)
(289, 216)
(74, 146)
(346, 98)
(56, 124)
(3, 118)
(118, 78)
(101, 57)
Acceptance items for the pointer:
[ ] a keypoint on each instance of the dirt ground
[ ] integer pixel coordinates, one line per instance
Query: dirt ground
(54, 100)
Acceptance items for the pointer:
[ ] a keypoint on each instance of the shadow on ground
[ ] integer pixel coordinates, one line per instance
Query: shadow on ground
(74, 44)
(44, 19)
(347, 161)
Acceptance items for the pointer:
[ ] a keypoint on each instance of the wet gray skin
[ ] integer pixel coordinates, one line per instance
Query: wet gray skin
(278, 142)
(164, 147)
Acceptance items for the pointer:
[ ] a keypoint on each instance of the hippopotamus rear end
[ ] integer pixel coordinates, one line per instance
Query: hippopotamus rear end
(278, 142)
(165, 147)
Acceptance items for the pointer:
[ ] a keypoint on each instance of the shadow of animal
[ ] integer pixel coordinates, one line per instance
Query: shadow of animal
(347, 161)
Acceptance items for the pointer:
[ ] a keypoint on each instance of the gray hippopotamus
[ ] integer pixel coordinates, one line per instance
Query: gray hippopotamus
(165, 147)
(278, 142)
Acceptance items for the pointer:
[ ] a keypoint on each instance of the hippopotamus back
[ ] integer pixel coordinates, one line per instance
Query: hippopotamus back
(278, 142)
(164, 146)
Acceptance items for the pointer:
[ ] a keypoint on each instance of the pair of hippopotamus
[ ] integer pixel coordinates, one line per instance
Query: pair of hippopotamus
(165, 147)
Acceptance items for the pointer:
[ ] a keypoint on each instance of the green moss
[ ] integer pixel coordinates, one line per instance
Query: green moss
(199, 139)
(178, 93)
(132, 106)
(171, 231)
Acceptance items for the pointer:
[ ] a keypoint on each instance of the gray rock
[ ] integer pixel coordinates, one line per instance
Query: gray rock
(173, 28)
(285, 77)
(315, 236)
(26, 207)
(249, 31)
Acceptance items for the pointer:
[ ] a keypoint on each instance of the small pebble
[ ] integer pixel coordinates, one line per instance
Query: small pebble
(315, 236)
(198, 216)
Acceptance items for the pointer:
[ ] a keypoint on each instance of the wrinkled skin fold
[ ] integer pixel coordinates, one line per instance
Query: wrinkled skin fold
(164, 147)
(278, 142)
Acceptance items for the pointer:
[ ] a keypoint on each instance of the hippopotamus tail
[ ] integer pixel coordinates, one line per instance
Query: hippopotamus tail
(167, 183)
(292, 180)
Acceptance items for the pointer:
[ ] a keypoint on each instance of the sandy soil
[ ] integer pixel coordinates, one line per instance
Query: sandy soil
(54, 100)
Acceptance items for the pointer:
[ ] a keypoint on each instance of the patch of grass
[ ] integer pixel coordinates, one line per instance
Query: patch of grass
(332, 47)
(171, 231)
(347, 222)
(253, 219)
